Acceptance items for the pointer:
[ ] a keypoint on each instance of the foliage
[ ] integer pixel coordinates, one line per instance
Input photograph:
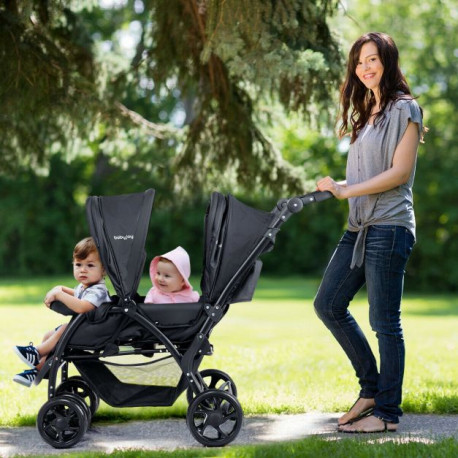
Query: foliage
(238, 53)
(58, 71)
(188, 97)
(41, 220)
(48, 212)
(308, 239)
(47, 80)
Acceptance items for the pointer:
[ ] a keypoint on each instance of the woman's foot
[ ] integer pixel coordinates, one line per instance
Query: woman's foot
(361, 408)
(369, 424)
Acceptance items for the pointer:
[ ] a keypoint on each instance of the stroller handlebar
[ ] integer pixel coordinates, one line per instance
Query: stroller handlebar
(316, 196)
(295, 204)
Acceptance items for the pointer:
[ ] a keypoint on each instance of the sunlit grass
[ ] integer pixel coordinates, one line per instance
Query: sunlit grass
(311, 447)
(279, 354)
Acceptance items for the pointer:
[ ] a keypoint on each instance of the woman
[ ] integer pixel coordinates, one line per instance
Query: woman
(386, 127)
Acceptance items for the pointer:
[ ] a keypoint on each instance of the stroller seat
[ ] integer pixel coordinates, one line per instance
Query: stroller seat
(107, 333)
(179, 322)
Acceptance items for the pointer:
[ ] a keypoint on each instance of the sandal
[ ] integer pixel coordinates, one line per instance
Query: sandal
(362, 414)
(386, 428)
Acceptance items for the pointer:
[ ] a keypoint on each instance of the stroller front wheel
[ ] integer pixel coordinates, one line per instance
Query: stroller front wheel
(214, 418)
(62, 421)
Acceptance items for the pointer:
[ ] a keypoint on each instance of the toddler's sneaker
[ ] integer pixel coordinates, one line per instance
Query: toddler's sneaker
(29, 354)
(26, 378)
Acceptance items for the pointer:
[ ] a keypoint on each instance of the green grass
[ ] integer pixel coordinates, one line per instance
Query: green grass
(279, 354)
(307, 448)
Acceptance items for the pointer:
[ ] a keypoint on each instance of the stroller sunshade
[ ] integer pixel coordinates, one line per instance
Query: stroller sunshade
(119, 225)
(232, 230)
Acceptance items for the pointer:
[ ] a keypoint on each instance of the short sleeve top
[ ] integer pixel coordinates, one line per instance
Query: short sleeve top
(96, 294)
(372, 154)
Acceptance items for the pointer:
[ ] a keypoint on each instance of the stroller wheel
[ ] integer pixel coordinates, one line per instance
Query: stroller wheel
(62, 422)
(214, 379)
(214, 418)
(77, 385)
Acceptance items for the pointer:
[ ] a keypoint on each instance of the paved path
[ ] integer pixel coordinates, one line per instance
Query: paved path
(172, 434)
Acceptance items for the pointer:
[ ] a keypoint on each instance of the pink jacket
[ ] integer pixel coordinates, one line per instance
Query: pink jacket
(180, 258)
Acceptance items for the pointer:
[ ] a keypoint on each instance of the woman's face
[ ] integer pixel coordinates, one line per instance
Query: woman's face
(369, 68)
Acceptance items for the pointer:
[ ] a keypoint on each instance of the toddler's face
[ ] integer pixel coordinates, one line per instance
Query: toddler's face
(88, 271)
(168, 279)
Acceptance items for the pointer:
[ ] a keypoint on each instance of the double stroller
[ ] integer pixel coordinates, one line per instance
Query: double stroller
(132, 354)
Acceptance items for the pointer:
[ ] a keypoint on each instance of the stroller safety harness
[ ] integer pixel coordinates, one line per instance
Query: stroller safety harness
(129, 353)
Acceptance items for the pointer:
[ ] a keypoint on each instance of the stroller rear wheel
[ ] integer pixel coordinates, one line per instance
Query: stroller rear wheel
(62, 421)
(83, 405)
(214, 379)
(214, 418)
(77, 386)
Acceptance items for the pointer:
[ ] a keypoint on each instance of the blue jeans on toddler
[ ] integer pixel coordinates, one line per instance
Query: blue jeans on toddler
(387, 249)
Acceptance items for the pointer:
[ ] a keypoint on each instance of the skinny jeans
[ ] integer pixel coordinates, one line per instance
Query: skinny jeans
(387, 249)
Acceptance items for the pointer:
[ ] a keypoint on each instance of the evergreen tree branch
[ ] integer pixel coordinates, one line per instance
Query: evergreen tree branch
(159, 131)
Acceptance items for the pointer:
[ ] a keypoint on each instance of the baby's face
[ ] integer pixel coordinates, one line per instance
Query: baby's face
(168, 279)
(88, 271)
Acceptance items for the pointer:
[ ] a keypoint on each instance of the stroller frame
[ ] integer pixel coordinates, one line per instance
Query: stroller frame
(214, 415)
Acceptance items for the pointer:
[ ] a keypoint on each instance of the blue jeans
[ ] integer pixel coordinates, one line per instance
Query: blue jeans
(387, 251)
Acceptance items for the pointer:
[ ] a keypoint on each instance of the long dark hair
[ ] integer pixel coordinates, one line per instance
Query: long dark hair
(356, 96)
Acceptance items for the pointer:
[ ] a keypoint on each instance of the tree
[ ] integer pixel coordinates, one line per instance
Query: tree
(48, 79)
(218, 57)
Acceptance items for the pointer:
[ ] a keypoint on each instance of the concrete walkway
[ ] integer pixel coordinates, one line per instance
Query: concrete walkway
(173, 434)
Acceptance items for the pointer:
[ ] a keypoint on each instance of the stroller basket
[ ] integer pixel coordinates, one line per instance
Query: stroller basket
(118, 393)
(125, 349)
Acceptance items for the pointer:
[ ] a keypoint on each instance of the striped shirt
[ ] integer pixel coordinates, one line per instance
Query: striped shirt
(96, 294)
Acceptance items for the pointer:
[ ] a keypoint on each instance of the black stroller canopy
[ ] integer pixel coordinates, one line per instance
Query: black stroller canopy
(232, 230)
(119, 225)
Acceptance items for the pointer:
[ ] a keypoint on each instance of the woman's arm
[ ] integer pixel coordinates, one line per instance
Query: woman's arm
(399, 173)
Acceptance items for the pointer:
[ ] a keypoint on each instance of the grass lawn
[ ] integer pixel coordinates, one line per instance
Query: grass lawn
(307, 448)
(279, 354)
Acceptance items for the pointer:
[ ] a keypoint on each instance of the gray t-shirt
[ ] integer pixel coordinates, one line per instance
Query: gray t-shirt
(371, 154)
(96, 294)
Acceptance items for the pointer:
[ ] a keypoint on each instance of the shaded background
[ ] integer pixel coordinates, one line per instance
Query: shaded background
(112, 97)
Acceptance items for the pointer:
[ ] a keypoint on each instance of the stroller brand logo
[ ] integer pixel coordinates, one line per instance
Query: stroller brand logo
(123, 237)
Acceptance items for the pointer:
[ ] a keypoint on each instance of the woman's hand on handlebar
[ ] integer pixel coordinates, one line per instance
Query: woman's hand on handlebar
(336, 188)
